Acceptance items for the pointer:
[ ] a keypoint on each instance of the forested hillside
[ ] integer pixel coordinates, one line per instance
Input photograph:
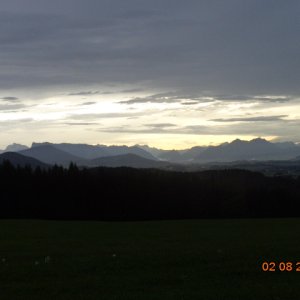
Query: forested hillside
(133, 194)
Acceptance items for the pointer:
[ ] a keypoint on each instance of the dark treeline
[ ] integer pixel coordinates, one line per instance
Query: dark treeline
(136, 194)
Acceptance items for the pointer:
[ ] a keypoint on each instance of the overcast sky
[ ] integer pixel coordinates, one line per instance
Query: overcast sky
(171, 74)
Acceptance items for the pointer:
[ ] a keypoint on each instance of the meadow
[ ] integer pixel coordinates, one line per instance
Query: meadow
(194, 259)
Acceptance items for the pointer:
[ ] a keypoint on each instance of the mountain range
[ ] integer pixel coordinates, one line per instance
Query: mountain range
(49, 154)
(145, 157)
(95, 151)
(17, 159)
(256, 149)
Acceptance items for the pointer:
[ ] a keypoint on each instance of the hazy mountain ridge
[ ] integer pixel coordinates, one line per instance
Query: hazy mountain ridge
(51, 155)
(15, 147)
(17, 159)
(86, 151)
(256, 149)
(83, 151)
(237, 151)
(177, 156)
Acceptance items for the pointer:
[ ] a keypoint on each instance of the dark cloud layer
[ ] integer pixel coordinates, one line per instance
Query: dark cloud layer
(233, 47)
(10, 98)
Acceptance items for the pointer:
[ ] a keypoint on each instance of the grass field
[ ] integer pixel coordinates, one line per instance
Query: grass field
(201, 259)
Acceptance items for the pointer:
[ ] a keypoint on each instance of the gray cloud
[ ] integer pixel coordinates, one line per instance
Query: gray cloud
(170, 97)
(190, 103)
(289, 131)
(200, 129)
(15, 123)
(94, 116)
(254, 98)
(91, 93)
(193, 129)
(127, 91)
(192, 99)
(131, 91)
(84, 93)
(10, 107)
(81, 123)
(88, 103)
(252, 119)
(223, 47)
(10, 98)
(150, 99)
(126, 129)
(160, 125)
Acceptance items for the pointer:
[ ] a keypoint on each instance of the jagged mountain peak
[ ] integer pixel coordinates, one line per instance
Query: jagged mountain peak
(260, 141)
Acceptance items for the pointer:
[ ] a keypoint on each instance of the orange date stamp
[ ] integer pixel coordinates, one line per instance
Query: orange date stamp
(283, 266)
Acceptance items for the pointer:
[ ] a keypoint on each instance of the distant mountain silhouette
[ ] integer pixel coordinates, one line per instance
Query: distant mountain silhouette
(286, 145)
(121, 150)
(256, 149)
(51, 155)
(176, 156)
(152, 150)
(79, 150)
(192, 153)
(95, 151)
(17, 159)
(15, 147)
(127, 160)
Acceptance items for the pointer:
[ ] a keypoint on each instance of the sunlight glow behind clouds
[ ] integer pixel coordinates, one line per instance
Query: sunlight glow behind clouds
(107, 120)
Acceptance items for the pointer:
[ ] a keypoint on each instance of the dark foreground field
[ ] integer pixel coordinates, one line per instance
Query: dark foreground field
(206, 259)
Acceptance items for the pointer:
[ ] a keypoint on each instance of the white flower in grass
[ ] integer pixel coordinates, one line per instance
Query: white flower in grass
(114, 255)
(3, 260)
(36, 263)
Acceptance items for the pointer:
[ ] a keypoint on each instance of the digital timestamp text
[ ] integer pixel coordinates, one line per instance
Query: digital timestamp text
(281, 266)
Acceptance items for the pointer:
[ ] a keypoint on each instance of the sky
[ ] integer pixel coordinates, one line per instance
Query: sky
(170, 74)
